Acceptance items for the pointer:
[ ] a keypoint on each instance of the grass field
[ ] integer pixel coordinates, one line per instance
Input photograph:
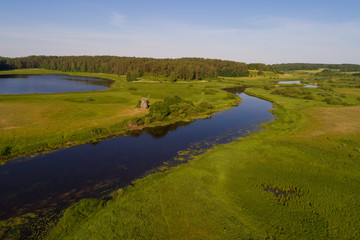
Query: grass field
(297, 179)
(40, 122)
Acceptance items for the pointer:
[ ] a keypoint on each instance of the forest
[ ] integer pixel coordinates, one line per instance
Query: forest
(182, 68)
(316, 66)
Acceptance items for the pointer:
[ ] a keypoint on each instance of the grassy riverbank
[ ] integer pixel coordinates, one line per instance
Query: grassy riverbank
(297, 179)
(39, 122)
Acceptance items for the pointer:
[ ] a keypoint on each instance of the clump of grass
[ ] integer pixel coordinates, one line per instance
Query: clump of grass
(267, 87)
(334, 101)
(204, 106)
(89, 99)
(294, 93)
(97, 130)
(6, 150)
(209, 91)
(230, 96)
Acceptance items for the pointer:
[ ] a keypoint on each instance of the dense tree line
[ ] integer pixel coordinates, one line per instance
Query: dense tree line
(182, 68)
(314, 66)
(263, 67)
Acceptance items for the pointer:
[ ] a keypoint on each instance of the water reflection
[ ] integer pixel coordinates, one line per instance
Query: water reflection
(25, 84)
(159, 132)
(298, 82)
(63, 177)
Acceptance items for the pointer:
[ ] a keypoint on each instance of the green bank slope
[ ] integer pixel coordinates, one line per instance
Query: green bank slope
(296, 179)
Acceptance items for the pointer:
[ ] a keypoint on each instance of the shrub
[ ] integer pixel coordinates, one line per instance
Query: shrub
(159, 111)
(134, 75)
(182, 110)
(6, 151)
(294, 93)
(88, 99)
(267, 87)
(205, 106)
(309, 97)
(171, 107)
(333, 101)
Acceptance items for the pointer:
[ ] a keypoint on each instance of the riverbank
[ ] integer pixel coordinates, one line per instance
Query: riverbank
(298, 178)
(91, 116)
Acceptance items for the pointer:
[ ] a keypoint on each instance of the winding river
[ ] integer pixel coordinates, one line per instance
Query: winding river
(58, 179)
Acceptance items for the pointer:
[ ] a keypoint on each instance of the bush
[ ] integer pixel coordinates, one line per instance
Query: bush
(267, 87)
(309, 97)
(333, 101)
(205, 106)
(159, 111)
(88, 99)
(171, 107)
(294, 93)
(6, 151)
(182, 110)
(134, 75)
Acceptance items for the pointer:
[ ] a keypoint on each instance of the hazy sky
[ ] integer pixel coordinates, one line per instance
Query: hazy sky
(268, 31)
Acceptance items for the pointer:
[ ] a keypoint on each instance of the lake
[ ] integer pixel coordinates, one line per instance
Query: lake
(58, 179)
(298, 82)
(25, 84)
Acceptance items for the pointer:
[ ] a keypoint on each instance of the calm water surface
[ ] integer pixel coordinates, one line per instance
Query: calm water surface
(25, 84)
(298, 82)
(62, 177)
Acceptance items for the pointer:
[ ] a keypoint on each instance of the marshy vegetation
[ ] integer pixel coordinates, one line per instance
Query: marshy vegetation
(294, 93)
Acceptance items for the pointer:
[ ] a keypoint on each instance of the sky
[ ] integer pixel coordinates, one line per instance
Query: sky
(261, 31)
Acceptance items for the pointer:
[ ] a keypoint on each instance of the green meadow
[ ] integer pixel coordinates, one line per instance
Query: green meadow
(298, 178)
(32, 123)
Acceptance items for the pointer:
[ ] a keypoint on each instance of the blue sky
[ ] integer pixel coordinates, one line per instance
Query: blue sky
(274, 31)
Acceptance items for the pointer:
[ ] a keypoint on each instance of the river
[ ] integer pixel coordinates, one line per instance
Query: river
(58, 179)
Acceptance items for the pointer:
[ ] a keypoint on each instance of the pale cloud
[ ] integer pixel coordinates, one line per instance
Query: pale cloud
(117, 19)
